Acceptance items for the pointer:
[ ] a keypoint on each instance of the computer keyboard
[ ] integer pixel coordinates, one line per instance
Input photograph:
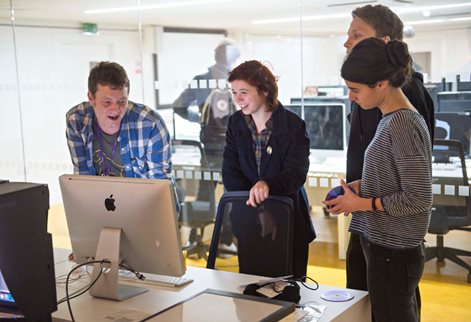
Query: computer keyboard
(152, 279)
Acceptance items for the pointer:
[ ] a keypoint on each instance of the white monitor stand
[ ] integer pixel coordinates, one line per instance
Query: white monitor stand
(107, 285)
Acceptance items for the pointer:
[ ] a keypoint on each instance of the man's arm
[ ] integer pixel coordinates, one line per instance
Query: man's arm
(77, 147)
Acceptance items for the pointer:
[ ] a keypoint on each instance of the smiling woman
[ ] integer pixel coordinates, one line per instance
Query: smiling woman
(267, 152)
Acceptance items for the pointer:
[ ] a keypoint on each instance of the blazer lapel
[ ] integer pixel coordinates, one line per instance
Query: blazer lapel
(280, 128)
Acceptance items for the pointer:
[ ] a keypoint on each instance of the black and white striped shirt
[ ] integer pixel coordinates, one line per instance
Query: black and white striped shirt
(397, 169)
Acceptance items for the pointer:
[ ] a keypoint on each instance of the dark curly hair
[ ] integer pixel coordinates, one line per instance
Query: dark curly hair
(107, 73)
(373, 60)
(259, 76)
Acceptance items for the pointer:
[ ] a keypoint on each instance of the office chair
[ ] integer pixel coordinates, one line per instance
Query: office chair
(263, 235)
(450, 211)
(198, 207)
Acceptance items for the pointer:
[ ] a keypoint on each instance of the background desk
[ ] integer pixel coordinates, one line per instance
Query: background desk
(87, 308)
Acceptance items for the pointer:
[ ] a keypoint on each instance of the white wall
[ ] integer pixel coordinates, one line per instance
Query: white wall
(450, 52)
(53, 69)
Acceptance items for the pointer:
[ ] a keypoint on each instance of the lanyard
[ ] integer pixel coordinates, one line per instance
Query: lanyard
(106, 168)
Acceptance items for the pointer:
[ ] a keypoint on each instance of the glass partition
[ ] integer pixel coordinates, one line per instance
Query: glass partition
(48, 47)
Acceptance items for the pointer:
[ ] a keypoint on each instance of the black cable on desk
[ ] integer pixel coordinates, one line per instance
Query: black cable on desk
(82, 291)
(101, 262)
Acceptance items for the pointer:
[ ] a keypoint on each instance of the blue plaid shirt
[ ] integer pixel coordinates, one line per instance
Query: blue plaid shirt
(143, 138)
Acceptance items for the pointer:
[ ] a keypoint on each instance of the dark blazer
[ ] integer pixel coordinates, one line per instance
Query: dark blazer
(284, 169)
(363, 124)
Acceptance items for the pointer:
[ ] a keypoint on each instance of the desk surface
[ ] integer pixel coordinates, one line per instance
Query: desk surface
(87, 308)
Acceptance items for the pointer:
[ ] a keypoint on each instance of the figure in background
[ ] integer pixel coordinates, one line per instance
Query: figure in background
(214, 101)
(392, 202)
(110, 135)
(215, 104)
(267, 152)
(311, 91)
(375, 21)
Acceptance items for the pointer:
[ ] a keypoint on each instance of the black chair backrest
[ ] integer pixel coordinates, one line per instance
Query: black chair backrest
(263, 236)
(452, 206)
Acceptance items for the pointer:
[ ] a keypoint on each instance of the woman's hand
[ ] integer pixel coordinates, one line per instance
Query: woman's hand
(258, 193)
(348, 202)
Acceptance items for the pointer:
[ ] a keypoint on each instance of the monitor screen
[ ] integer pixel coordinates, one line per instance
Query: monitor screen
(142, 210)
(325, 124)
(454, 125)
(454, 101)
(6, 299)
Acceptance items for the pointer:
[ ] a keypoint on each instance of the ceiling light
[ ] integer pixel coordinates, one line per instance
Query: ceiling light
(348, 14)
(305, 18)
(461, 19)
(153, 6)
(430, 8)
(426, 13)
(423, 22)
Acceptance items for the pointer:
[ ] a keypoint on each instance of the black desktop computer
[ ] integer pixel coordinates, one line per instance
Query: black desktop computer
(27, 279)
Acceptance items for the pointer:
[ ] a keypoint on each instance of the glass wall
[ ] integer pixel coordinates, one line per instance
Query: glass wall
(47, 52)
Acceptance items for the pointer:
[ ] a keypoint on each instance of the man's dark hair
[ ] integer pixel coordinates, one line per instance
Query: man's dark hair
(382, 20)
(259, 76)
(107, 73)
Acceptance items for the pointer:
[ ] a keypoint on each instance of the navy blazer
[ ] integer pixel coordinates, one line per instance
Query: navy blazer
(284, 169)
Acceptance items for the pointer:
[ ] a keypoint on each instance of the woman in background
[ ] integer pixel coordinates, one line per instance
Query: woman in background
(267, 151)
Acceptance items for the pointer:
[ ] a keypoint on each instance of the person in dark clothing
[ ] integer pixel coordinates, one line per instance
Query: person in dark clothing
(267, 152)
(375, 21)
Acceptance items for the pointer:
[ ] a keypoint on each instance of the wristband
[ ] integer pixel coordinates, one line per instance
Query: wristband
(373, 204)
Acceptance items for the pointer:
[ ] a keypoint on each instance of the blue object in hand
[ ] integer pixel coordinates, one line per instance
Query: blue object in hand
(334, 193)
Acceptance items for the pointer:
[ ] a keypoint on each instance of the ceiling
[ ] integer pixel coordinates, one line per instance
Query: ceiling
(247, 15)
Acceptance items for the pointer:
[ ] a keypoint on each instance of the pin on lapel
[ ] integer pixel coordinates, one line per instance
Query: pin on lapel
(269, 150)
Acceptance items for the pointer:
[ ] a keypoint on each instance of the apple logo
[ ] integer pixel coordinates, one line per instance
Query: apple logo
(109, 203)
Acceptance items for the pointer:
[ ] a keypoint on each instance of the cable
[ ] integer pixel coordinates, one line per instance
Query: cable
(68, 298)
(303, 282)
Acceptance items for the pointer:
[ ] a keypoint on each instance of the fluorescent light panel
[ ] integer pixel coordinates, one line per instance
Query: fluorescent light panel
(154, 6)
(344, 15)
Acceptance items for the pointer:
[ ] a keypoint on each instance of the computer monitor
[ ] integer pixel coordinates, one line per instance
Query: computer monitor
(27, 279)
(130, 221)
(325, 124)
(454, 101)
(456, 126)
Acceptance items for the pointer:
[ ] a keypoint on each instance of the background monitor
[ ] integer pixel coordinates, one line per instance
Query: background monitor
(143, 210)
(454, 125)
(325, 124)
(27, 279)
(454, 101)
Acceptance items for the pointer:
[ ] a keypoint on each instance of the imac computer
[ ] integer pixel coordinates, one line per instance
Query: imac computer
(325, 124)
(27, 278)
(129, 222)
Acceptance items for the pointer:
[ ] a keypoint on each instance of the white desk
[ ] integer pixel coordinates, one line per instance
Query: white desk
(87, 308)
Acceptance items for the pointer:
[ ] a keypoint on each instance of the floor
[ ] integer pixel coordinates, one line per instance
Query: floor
(324, 252)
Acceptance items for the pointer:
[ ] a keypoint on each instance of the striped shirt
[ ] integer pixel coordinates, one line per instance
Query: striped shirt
(397, 169)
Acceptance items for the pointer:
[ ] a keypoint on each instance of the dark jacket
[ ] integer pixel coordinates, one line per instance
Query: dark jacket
(284, 169)
(363, 124)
